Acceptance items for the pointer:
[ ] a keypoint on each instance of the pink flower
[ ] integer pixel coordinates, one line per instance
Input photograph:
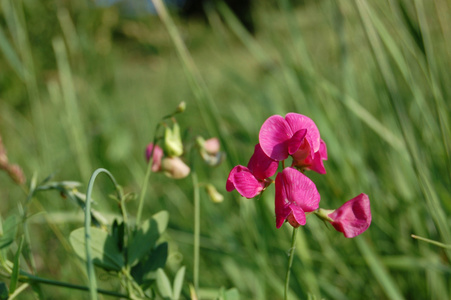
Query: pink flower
(296, 194)
(251, 180)
(156, 156)
(280, 137)
(353, 217)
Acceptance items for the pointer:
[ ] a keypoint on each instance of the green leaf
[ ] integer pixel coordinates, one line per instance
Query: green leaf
(16, 268)
(164, 285)
(145, 236)
(4, 294)
(9, 231)
(144, 271)
(178, 282)
(105, 251)
(232, 294)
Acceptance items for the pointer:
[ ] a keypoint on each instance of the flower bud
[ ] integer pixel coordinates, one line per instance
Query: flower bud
(172, 141)
(209, 150)
(174, 167)
(213, 193)
(353, 217)
(181, 107)
(157, 155)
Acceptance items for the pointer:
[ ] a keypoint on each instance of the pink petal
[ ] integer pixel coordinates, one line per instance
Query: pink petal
(298, 214)
(298, 122)
(353, 217)
(295, 193)
(282, 208)
(241, 179)
(156, 156)
(261, 165)
(301, 190)
(317, 164)
(323, 150)
(273, 137)
(296, 141)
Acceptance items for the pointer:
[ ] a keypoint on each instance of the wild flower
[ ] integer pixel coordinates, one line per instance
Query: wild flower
(353, 217)
(252, 180)
(295, 135)
(296, 195)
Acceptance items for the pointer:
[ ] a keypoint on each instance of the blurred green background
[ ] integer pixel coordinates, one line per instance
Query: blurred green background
(83, 87)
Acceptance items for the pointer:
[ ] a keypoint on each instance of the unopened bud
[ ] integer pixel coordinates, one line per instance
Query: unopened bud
(174, 167)
(213, 193)
(181, 107)
(172, 141)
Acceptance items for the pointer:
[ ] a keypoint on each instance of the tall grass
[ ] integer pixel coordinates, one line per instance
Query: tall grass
(373, 75)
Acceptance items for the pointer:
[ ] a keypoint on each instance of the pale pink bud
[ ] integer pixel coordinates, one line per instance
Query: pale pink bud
(212, 145)
(174, 167)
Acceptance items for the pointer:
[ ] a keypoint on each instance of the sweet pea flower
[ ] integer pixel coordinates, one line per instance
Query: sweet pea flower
(156, 156)
(295, 135)
(251, 180)
(296, 194)
(353, 217)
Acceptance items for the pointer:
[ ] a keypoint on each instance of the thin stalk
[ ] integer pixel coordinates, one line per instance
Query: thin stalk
(149, 165)
(144, 186)
(89, 263)
(431, 241)
(290, 263)
(29, 278)
(196, 231)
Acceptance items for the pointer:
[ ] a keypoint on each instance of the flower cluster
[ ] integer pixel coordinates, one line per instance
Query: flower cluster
(297, 137)
(167, 158)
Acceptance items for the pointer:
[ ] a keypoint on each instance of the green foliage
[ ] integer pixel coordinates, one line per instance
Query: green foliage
(85, 87)
(8, 231)
(145, 236)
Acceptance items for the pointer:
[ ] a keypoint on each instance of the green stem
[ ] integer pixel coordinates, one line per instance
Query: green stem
(89, 263)
(144, 186)
(431, 241)
(290, 262)
(196, 231)
(28, 278)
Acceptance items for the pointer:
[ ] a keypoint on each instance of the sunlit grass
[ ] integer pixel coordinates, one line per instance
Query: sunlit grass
(377, 93)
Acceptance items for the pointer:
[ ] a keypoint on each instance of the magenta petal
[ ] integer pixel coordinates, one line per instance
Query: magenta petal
(230, 185)
(317, 164)
(323, 150)
(245, 182)
(301, 190)
(353, 217)
(282, 208)
(261, 165)
(157, 155)
(298, 122)
(298, 214)
(273, 137)
(296, 141)
(294, 192)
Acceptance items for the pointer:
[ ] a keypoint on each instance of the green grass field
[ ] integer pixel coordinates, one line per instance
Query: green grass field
(83, 87)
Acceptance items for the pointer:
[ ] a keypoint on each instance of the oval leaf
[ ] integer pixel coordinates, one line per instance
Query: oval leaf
(145, 236)
(178, 282)
(164, 285)
(105, 252)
